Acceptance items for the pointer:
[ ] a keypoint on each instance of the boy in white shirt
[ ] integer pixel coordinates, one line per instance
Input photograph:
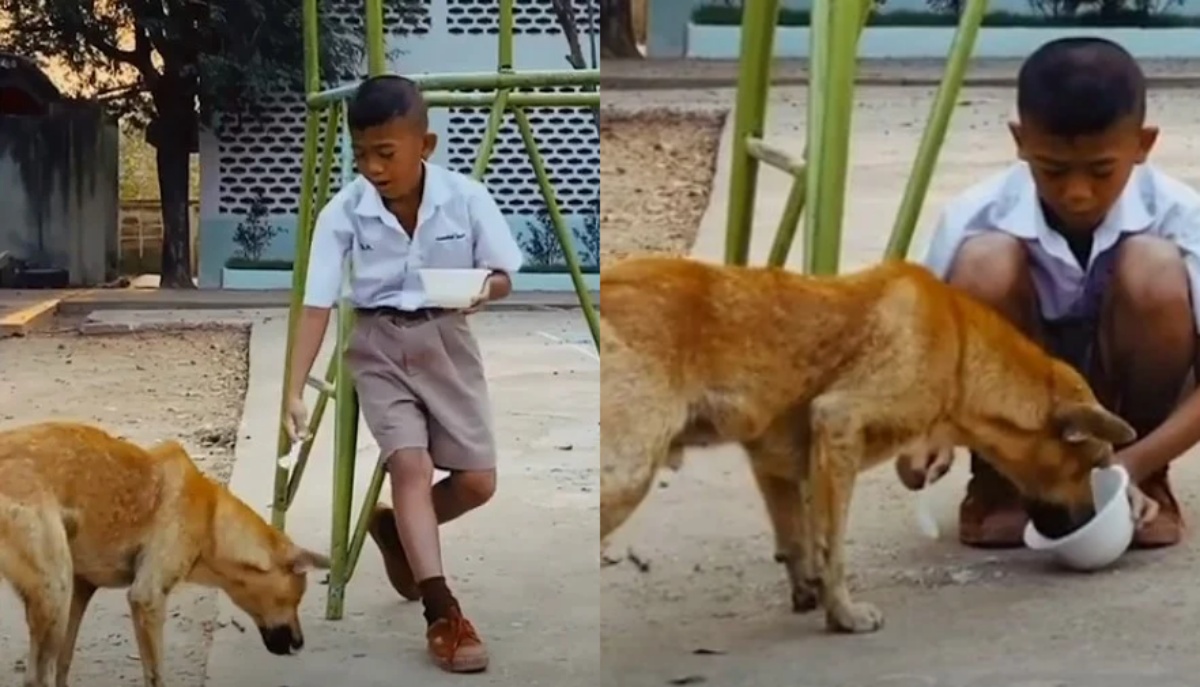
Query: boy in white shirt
(417, 369)
(1094, 254)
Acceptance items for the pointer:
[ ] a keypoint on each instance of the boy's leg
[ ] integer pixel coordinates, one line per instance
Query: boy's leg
(1147, 349)
(994, 268)
(397, 364)
(454, 495)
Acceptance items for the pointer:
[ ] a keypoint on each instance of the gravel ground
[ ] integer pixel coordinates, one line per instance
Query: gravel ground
(147, 386)
(656, 170)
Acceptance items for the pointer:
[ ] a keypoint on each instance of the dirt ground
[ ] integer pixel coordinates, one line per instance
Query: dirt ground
(656, 170)
(149, 387)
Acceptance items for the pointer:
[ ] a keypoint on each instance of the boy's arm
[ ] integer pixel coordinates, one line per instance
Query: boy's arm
(330, 244)
(495, 248)
(1181, 430)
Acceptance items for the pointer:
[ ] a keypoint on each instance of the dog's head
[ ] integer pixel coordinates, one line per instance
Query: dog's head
(264, 573)
(1051, 462)
(270, 590)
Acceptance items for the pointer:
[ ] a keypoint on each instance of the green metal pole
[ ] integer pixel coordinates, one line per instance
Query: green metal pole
(488, 144)
(793, 210)
(376, 48)
(788, 222)
(504, 57)
(345, 430)
(333, 129)
(754, 79)
(444, 99)
(312, 83)
(354, 549)
(935, 131)
(560, 225)
(487, 81)
(834, 34)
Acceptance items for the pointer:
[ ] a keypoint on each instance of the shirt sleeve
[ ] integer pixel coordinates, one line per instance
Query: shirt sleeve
(943, 246)
(330, 244)
(495, 247)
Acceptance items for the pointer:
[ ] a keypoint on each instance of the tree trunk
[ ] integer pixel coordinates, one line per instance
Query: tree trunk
(174, 135)
(616, 30)
(174, 166)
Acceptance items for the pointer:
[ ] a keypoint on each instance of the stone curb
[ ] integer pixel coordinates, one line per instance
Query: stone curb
(661, 83)
(110, 328)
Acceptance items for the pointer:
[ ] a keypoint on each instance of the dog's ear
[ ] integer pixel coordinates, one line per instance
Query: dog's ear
(302, 560)
(1077, 422)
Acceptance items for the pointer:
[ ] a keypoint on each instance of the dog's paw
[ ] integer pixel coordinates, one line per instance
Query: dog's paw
(804, 600)
(854, 618)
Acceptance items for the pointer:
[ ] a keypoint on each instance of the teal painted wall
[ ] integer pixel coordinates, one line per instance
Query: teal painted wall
(535, 237)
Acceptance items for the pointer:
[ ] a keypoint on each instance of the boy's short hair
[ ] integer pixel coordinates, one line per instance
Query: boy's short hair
(380, 99)
(1080, 86)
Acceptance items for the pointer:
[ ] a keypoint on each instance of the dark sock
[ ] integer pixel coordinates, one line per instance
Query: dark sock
(437, 599)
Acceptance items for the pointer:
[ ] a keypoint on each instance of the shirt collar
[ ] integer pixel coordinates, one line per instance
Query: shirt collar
(433, 196)
(1019, 213)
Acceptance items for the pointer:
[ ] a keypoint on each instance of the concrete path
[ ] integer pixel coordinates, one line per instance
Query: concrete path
(701, 601)
(653, 74)
(524, 566)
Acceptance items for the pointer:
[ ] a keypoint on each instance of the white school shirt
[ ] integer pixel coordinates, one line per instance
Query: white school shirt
(1152, 203)
(458, 226)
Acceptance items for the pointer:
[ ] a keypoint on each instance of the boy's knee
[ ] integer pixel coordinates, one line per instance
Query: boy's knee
(1150, 278)
(411, 466)
(475, 487)
(994, 268)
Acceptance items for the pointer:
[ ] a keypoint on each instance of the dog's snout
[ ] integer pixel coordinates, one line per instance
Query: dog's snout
(281, 640)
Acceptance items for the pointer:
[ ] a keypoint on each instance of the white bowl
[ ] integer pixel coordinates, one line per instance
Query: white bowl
(1105, 537)
(452, 288)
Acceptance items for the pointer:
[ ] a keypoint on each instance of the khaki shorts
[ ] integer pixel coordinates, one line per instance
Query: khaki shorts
(421, 384)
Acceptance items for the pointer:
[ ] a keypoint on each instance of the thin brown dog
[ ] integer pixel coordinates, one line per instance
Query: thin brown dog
(820, 378)
(82, 510)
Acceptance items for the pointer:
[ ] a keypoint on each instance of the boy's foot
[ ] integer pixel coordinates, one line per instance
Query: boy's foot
(1167, 528)
(991, 516)
(382, 529)
(455, 646)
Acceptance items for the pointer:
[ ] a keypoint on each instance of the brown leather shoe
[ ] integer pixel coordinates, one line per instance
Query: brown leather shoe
(1167, 528)
(383, 530)
(455, 646)
(991, 515)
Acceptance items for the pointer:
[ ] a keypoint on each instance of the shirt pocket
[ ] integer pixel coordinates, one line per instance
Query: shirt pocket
(449, 246)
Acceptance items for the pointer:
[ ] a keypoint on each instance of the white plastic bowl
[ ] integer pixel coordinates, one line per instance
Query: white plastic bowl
(1105, 537)
(452, 288)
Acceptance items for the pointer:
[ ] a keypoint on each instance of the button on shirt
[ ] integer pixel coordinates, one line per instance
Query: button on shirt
(1152, 203)
(458, 226)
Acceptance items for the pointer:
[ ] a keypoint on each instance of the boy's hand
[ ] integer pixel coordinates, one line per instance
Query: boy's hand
(1144, 508)
(482, 297)
(296, 422)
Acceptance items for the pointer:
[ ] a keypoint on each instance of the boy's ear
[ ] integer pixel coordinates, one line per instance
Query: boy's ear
(1014, 128)
(430, 145)
(1147, 137)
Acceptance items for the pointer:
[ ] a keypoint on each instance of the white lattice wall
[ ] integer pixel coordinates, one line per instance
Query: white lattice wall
(530, 17)
(264, 154)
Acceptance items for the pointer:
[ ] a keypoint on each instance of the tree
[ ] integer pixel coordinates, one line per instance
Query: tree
(617, 39)
(172, 65)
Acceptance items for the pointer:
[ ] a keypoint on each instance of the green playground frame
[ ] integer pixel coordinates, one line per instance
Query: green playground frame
(325, 120)
(821, 172)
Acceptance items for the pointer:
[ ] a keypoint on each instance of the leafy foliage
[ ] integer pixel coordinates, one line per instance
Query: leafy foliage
(218, 54)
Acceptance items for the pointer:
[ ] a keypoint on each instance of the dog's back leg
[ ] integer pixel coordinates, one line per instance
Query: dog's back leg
(779, 461)
(81, 596)
(639, 419)
(36, 560)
